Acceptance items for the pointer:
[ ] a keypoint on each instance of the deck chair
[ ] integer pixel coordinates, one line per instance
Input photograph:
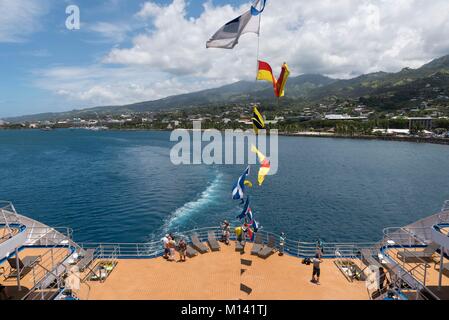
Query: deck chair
(212, 240)
(198, 245)
(191, 252)
(86, 260)
(25, 266)
(268, 250)
(258, 245)
(239, 247)
(368, 259)
(427, 253)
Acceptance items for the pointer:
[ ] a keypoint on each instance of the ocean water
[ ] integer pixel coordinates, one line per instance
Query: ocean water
(115, 186)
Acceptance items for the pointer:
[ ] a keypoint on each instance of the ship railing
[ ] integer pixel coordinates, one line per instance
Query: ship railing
(50, 270)
(8, 206)
(43, 291)
(8, 215)
(49, 290)
(410, 237)
(443, 216)
(291, 247)
(409, 242)
(47, 236)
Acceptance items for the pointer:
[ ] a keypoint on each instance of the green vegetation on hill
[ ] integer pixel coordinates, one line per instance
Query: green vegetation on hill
(382, 91)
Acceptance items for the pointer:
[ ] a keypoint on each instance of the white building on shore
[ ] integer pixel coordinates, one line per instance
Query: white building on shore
(342, 117)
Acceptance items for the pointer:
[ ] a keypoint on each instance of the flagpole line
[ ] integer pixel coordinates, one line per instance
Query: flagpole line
(258, 46)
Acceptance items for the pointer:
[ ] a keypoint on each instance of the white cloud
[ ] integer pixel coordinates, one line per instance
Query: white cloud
(341, 38)
(99, 86)
(20, 18)
(113, 32)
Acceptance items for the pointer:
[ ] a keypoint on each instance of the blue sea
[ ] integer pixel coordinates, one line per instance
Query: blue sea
(120, 186)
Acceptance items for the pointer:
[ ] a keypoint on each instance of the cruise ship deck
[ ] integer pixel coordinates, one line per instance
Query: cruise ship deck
(38, 262)
(224, 275)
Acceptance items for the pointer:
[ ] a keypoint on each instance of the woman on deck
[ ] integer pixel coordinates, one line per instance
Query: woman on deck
(171, 248)
(281, 244)
(182, 250)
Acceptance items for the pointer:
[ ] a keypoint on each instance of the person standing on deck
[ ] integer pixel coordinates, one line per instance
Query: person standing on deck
(227, 235)
(225, 229)
(319, 248)
(316, 269)
(165, 240)
(243, 237)
(171, 248)
(182, 250)
(281, 244)
(382, 280)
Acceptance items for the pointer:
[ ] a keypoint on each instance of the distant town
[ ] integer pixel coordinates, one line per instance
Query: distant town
(345, 119)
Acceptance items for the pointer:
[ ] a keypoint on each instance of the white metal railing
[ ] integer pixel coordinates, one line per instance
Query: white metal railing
(409, 236)
(443, 216)
(40, 235)
(408, 241)
(46, 236)
(50, 269)
(291, 247)
(8, 215)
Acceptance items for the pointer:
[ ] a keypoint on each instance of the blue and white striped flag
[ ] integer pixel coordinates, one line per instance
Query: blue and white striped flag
(238, 191)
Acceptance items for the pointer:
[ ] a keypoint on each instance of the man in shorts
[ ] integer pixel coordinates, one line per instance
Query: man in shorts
(316, 269)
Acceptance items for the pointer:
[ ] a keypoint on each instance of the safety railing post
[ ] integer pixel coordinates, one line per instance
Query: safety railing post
(425, 274)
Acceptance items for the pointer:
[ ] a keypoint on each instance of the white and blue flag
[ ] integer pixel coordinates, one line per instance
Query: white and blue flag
(238, 191)
(255, 226)
(249, 22)
(245, 210)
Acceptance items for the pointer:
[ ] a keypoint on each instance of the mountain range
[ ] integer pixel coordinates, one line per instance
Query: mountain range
(380, 90)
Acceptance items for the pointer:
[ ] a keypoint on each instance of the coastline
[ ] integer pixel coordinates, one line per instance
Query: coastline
(323, 135)
(440, 141)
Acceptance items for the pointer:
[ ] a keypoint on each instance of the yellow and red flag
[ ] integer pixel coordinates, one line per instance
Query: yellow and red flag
(282, 81)
(265, 165)
(266, 73)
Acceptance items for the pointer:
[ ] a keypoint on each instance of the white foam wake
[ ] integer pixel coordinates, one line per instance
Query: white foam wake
(188, 209)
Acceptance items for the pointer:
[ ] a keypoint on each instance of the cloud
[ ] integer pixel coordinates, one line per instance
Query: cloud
(97, 85)
(20, 18)
(112, 32)
(342, 39)
(338, 38)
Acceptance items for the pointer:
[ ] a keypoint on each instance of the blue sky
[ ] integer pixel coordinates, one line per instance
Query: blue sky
(133, 50)
(49, 44)
(52, 45)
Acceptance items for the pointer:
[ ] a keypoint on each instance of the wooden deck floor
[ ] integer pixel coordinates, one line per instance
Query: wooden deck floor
(27, 282)
(445, 231)
(218, 276)
(5, 233)
(432, 272)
